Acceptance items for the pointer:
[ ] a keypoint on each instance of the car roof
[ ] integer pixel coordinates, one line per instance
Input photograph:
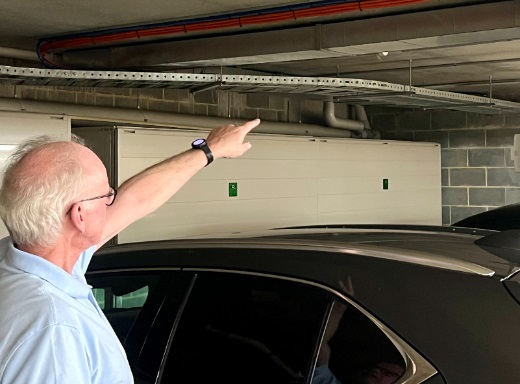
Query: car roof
(435, 246)
(501, 218)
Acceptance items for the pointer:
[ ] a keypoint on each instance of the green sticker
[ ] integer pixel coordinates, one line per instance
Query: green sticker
(385, 183)
(233, 189)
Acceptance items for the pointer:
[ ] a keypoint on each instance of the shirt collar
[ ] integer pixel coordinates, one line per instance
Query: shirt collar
(72, 285)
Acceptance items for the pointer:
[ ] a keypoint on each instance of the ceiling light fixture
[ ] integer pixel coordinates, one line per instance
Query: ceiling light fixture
(382, 55)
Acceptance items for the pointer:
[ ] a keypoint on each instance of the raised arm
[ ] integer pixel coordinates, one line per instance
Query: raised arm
(151, 188)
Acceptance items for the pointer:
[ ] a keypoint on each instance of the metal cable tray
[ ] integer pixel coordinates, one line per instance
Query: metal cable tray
(352, 91)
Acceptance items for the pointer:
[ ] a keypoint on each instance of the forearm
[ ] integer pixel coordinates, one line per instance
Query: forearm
(148, 190)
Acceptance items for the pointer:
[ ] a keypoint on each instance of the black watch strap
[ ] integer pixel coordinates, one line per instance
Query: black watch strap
(201, 144)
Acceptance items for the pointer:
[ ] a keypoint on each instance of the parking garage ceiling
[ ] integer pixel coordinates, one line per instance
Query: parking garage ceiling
(468, 47)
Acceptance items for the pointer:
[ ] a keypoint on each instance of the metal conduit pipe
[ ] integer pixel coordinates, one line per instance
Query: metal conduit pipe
(361, 115)
(368, 132)
(21, 54)
(107, 115)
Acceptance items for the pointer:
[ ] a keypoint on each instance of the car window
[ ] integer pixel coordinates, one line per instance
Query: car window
(246, 329)
(141, 306)
(131, 301)
(355, 351)
(122, 296)
(239, 328)
(106, 298)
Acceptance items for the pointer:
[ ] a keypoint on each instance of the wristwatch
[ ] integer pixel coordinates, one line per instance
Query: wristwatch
(201, 144)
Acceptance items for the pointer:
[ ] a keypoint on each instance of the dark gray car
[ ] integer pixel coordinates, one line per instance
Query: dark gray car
(409, 304)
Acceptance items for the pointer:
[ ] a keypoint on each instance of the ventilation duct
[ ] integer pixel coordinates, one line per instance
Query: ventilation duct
(21, 54)
(360, 127)
(264, 18)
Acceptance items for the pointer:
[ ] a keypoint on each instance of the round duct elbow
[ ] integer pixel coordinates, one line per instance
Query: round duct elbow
(332, 121)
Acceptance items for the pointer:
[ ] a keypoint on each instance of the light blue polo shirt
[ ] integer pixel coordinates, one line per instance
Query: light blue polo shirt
(51, 328)
(323, 375)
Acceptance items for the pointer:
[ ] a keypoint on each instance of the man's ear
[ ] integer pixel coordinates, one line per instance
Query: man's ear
(77, 216)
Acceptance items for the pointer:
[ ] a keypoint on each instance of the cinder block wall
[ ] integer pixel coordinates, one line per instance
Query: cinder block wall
(477, 171)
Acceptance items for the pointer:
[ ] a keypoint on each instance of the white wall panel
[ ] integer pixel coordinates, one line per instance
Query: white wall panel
(234, 168)
(362, 184)
(385, 215)
(378, 168)
(133, 233)
(196, 190)
(205, 217)
(16, 127)
(277, 185)
(350, 182)
(224, 211)
(287, 181)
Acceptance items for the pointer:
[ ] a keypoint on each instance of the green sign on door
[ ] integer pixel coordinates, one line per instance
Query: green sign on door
(233, 189)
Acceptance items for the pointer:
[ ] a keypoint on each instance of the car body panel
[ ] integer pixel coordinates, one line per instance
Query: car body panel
(435, 247)
(428, 288)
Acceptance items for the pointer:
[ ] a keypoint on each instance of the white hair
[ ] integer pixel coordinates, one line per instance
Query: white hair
(33, 206)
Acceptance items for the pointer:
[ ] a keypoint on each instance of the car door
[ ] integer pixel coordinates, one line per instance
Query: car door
(239, 327)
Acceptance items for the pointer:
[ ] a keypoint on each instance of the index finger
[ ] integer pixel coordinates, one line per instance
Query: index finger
(250, 125)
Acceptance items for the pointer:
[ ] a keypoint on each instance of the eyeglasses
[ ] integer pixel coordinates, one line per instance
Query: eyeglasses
(386, 372)
(110, 195)
(396, 372)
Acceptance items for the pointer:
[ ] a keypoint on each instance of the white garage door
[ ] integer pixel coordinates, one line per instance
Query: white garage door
(287, 181)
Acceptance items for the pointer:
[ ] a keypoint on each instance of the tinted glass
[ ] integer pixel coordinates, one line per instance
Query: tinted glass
(246, 329)
(121, 297)
(131, 302)
(355, 351)
(134, 299)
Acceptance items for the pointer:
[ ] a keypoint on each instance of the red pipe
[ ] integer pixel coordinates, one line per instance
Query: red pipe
(237, 22)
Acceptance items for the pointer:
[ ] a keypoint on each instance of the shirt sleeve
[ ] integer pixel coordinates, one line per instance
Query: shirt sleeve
(323, 375)
(55, 355)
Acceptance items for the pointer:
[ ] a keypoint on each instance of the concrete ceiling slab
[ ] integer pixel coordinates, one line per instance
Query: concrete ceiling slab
(450, 45)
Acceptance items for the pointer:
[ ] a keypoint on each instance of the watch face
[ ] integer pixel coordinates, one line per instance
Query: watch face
(198, 142)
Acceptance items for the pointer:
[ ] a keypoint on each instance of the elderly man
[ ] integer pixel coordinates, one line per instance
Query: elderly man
(59, 208)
